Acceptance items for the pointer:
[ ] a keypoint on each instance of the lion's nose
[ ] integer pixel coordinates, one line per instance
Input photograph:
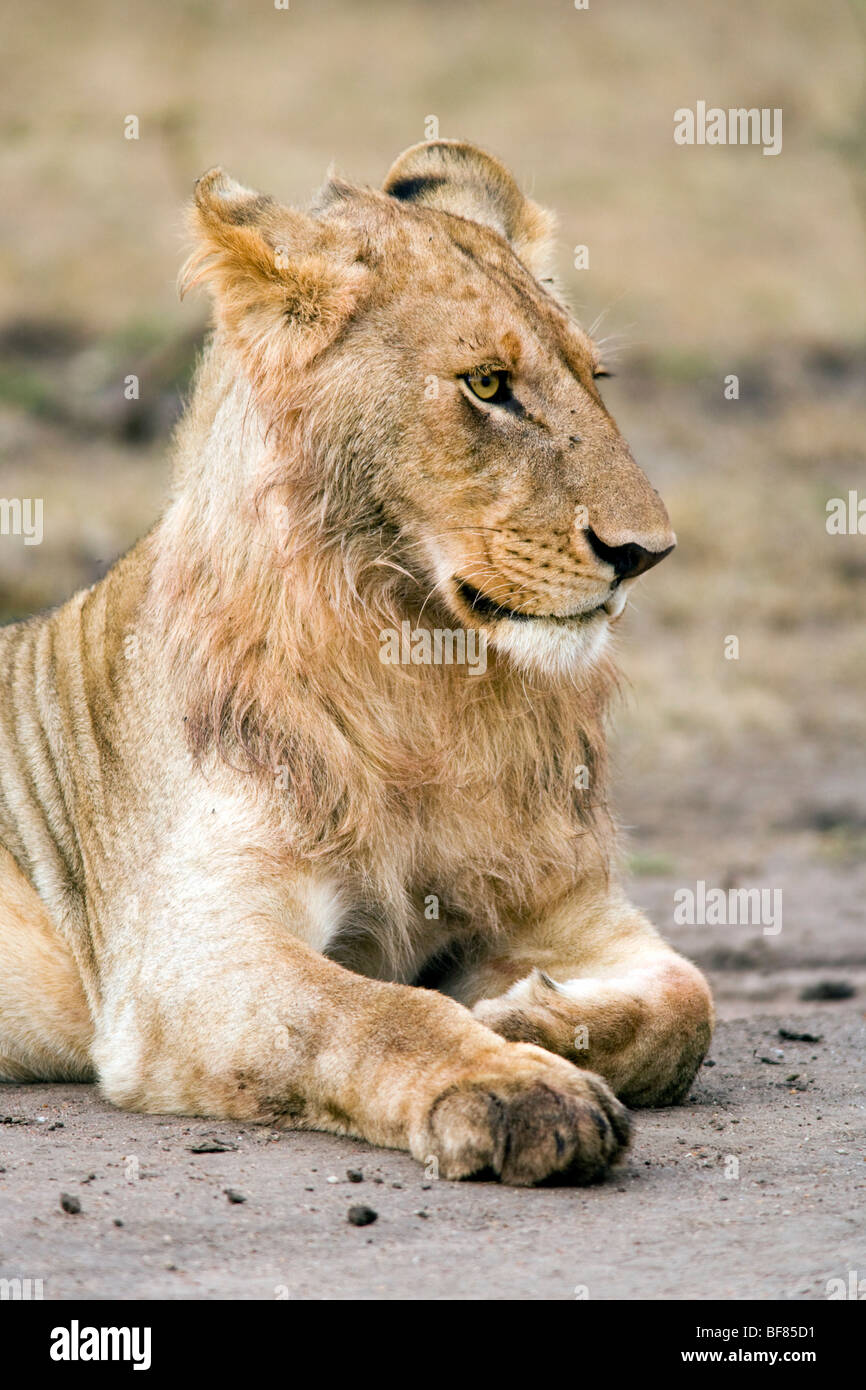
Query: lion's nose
(628, 560)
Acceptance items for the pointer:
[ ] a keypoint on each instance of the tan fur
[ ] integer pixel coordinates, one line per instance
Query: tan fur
(47, 1031)
(246, 841)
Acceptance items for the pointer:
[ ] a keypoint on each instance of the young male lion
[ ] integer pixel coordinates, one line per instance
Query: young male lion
(253, 870)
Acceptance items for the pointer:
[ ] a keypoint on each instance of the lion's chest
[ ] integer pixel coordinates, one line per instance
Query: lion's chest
(452, 865)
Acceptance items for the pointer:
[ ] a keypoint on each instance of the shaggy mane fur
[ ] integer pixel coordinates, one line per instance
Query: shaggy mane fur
(277, 566)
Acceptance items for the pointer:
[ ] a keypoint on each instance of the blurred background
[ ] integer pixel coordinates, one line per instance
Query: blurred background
(703, 262)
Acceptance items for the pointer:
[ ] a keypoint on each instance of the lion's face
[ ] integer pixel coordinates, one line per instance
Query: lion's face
(453, 397)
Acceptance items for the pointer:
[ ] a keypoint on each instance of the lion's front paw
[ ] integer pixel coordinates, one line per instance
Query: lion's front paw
(646, 1033)
(534, 1117)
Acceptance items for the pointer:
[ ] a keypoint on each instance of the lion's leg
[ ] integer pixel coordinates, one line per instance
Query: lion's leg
(246, 1022)
(596, 984)
(45, 1024)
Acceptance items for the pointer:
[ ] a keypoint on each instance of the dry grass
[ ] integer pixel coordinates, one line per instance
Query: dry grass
(692, 247)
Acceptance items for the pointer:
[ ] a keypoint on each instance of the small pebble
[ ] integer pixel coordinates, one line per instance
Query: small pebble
(362, 1216)
(354, 1175)
(235, 1197)
(70, 1203)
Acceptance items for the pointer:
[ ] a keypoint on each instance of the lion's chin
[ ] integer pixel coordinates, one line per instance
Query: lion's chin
(552, 647)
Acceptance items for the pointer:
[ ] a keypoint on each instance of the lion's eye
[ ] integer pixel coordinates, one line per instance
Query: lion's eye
(489, 386)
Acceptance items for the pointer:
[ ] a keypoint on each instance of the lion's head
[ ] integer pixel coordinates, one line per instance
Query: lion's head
(430, 408)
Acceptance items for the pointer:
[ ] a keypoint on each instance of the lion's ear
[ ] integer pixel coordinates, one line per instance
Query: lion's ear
(460, 178)
(283, 284)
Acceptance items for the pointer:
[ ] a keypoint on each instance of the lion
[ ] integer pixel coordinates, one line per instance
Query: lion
(252, 870)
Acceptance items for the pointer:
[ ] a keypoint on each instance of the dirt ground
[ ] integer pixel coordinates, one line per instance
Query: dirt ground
(755, 1189)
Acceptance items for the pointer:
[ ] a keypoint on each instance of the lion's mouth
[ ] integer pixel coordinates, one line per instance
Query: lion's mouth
(492, 612)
